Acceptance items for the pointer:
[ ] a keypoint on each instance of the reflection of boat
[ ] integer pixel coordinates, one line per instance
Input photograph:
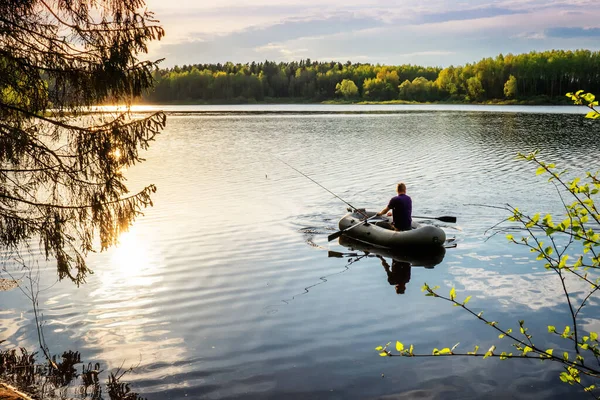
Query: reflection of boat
(380, 234)
(426, 257)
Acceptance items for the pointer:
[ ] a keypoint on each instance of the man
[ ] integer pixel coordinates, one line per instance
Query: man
(401, 207)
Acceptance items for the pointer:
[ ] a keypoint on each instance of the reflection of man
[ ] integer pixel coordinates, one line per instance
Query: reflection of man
(398, 274)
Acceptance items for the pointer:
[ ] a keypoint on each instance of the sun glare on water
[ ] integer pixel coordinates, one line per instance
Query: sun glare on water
(131, 260)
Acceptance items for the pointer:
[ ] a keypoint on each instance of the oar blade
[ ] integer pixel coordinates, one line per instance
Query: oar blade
(447, 218)
(336, 235)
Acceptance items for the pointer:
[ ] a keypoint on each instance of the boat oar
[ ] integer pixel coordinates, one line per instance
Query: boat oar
(337, 254)
(445, 218)
(340, 233)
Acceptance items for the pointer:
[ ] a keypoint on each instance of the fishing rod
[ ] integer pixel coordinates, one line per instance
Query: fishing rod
(312, 180)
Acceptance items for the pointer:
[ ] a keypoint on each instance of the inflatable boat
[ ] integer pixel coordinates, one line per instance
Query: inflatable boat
(378, 231)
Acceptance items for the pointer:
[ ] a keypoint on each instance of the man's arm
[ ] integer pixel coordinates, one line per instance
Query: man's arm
(385, 210)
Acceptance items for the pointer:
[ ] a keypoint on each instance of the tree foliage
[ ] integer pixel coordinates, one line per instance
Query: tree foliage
(347, 88)
(538, 76)
(510, 87)
(61, 179)
(571, 250)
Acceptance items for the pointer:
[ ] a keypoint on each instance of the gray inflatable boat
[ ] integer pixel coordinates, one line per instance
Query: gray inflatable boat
(379, 231)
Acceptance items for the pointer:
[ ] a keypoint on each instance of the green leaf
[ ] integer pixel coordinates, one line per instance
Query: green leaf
(551, 329)
(540, 171)
(588, 97)
(594, 336)
(399, 346)
(526, 350)
(549, 351)
(379, 348)
(466, 300)
(410, 349)
(590, 388)
(445, 350)
(452, 294)
(566, 356)
(500, 336)
(383, 354)
(563, 261)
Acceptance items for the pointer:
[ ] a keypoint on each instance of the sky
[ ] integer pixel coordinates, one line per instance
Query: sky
(428, 33)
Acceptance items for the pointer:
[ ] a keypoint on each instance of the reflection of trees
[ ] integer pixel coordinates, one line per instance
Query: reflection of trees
(59, 377)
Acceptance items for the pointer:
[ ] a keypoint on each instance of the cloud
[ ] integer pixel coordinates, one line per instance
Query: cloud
(434, 33)
(569, 33)
(265, 40)
(467, 14)
(530, 35)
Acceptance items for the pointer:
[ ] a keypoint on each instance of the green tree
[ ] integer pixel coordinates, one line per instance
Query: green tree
(377, 89)
(346, 88)
(510, 87)
(420, 89)
(475, 89)
(61, 173)
(447, 81)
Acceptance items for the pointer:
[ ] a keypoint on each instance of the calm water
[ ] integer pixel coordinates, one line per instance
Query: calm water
(224, 289)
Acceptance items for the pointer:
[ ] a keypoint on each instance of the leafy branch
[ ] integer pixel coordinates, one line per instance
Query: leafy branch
(570, 249)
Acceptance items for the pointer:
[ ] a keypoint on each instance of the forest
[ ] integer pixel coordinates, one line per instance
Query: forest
(534, 78)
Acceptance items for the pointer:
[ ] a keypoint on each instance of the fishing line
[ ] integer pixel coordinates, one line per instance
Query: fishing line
(323, 280)
(317, 183)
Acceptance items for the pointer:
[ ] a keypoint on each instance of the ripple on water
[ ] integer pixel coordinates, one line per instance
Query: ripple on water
(224, 288)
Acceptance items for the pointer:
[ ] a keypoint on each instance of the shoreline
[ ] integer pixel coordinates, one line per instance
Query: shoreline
(499, 102)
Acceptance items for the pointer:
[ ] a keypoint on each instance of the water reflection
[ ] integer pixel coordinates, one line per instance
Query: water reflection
(427, 257)
(400, 263)
(398, 274)
(124, 324)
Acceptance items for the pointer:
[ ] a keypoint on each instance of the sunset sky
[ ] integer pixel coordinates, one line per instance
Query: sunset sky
(431, 33)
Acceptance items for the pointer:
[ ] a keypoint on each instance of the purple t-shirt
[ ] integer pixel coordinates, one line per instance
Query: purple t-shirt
(401, 206)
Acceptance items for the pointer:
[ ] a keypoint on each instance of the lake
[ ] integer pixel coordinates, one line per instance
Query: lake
(225, 288)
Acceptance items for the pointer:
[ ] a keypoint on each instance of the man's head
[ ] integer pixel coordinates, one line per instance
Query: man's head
(400, 288)
(401, 188)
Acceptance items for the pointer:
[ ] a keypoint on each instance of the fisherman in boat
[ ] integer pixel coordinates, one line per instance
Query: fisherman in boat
(401, 207)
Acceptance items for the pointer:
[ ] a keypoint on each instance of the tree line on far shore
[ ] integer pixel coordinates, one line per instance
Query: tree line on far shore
(538, 77)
